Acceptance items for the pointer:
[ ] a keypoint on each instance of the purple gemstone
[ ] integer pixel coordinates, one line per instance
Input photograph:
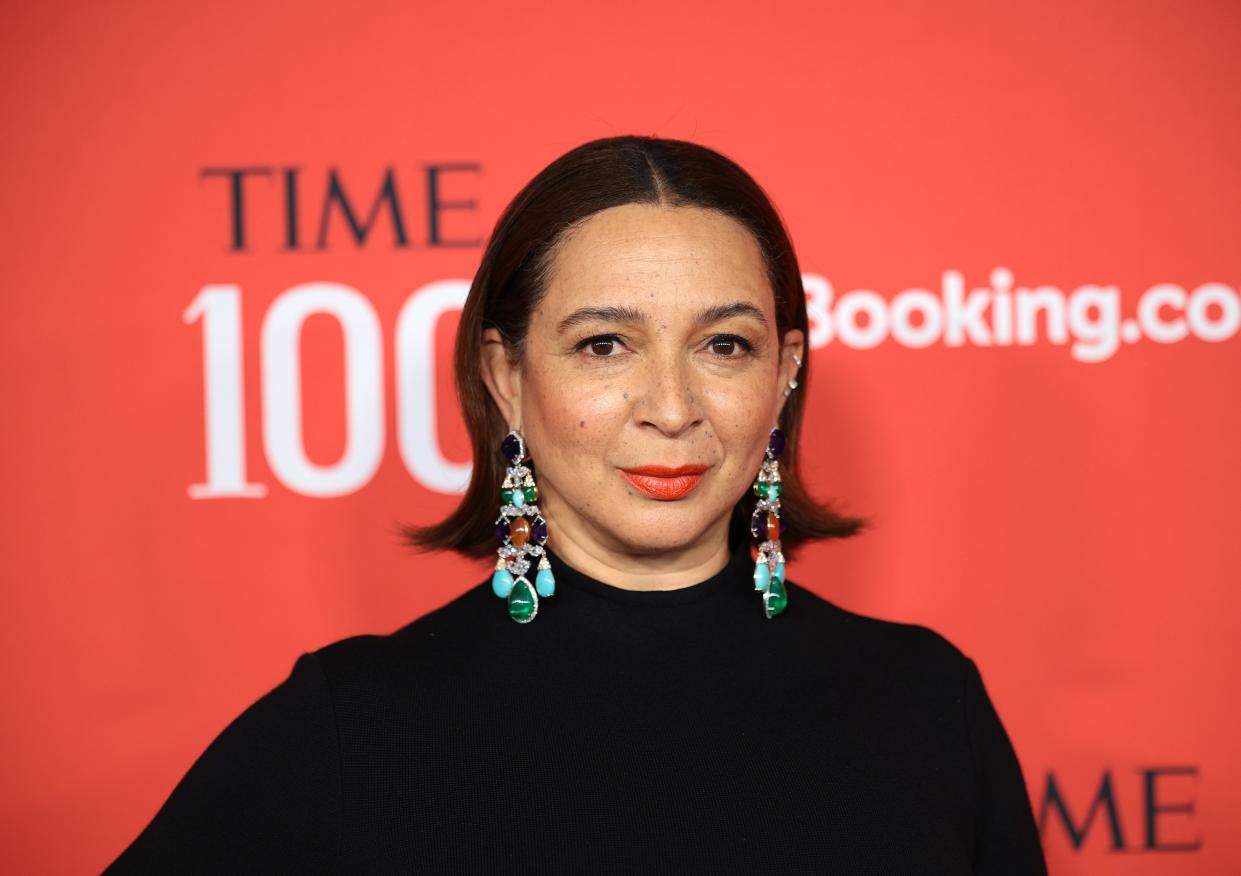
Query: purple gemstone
(538, 532)
(758, 524)
(776, 443)
(502, 530)
(512, 448)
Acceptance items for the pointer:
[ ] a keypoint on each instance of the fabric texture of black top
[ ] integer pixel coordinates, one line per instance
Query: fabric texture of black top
(620, 731)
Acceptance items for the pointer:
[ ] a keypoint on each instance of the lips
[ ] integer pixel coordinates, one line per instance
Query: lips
(663, 483)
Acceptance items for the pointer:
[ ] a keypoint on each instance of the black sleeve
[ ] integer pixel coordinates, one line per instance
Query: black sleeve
(1007, 836)
(263, 798)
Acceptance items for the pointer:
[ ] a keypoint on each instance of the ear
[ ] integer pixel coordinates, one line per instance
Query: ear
(502, 375)
(792, 352)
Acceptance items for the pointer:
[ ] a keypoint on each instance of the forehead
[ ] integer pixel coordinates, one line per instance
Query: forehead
(677, 255)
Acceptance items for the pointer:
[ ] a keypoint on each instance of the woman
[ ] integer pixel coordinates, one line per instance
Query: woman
(631, 362)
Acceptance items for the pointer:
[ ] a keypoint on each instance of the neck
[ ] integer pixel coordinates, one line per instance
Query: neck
(637, 568)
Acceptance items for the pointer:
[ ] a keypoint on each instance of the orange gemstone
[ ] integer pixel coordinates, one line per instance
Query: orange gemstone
(773, 526)
(519, 533)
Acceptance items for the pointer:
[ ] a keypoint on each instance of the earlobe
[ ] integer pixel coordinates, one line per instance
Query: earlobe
(502, 375)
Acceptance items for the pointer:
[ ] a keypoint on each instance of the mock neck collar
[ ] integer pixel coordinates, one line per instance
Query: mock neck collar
(731, 577)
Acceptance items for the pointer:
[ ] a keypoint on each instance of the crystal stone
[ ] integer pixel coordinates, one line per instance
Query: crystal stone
(758, 523)
(502, 583)
(522, 601)
(545, 582)
(512, 447)
(762, 575)
(776, 597)
(773, 527)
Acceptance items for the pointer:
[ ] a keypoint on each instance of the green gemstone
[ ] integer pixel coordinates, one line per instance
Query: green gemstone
(773, 492)
(522, 602)
(760, 490)
(506, 496)
(776, 597)
(532, 493)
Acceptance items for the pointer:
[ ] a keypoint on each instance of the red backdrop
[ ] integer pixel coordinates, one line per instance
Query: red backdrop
(207, 446)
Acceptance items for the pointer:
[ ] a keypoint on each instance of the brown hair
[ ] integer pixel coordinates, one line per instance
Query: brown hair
(512, 278)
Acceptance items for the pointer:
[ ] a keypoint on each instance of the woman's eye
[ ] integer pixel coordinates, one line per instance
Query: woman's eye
(729, 346)
(611, 346)
(601, 346)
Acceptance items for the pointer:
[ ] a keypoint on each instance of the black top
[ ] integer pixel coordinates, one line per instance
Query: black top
(620, 731)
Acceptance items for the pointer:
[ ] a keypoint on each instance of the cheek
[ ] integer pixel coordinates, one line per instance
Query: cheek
(739, 412)
(571, 417)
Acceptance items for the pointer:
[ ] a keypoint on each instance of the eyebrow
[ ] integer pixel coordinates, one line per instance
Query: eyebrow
(625, 313)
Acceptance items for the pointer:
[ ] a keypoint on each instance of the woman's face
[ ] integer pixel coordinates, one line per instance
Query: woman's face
(654, 347)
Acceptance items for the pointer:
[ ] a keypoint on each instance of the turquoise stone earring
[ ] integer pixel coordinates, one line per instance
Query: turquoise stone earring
(522, 532)
(766, 527)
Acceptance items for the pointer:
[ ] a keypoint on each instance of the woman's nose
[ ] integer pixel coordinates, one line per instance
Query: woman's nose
(666, 399)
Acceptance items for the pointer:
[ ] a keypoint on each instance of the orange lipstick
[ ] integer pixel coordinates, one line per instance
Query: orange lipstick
(663, 483)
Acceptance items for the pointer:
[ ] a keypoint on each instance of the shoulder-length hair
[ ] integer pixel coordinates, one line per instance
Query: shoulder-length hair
(512, 278)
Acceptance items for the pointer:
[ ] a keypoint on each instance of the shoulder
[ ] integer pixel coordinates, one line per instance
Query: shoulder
(913, 649)
(909, 680)
(450, 632)
(381, 686)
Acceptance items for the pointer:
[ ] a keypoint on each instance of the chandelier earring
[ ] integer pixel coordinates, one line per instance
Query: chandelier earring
(766, 527)
(522, 532)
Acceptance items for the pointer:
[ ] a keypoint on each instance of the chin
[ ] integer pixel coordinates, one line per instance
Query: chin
(658, 529)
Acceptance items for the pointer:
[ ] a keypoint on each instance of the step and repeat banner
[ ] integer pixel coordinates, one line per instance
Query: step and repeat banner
(238, 236)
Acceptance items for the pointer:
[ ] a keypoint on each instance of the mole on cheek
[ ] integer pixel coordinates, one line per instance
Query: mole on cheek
(581, 424)
(626, 396)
